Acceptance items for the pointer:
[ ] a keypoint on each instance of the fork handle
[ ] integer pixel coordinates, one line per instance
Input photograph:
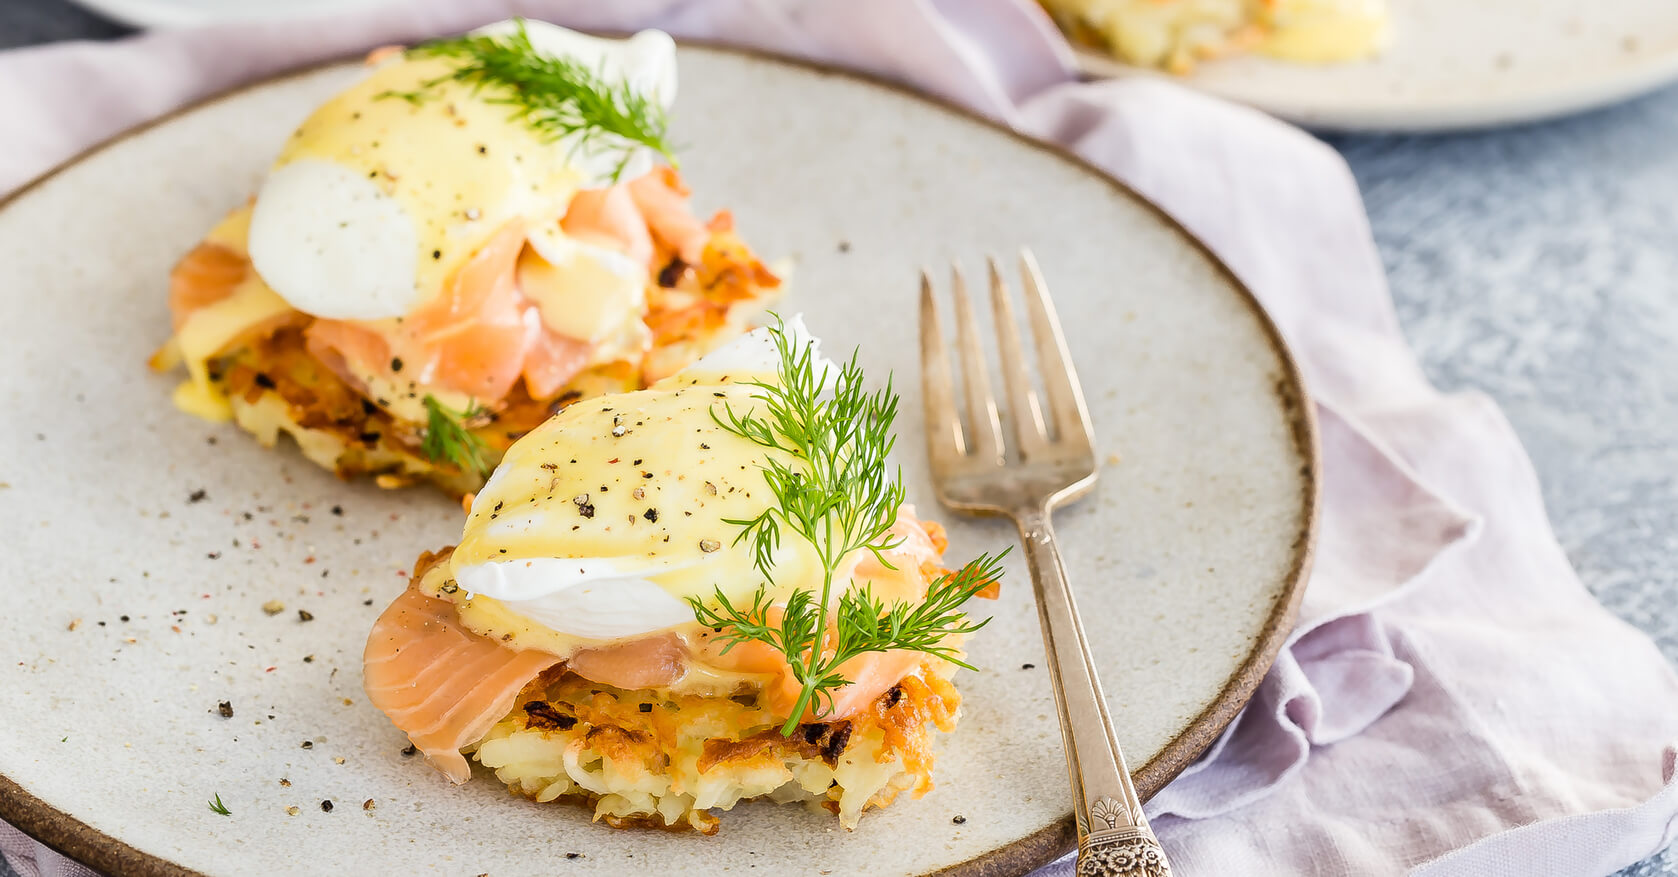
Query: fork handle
(1114, 839)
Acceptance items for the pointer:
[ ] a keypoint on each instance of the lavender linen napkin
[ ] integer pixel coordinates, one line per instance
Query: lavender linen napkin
(1453, 701)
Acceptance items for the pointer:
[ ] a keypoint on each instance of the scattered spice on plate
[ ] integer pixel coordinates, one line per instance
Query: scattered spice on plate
(959, 819)
(305, 615)
(326, 806)
(368, 804)
(197, 496)
(292, 811)
(225, 708)
(272, 607)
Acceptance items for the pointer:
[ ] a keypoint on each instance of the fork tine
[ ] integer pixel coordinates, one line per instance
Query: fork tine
(1024, 411)
(1060, 379)
(985, 435)
(943, 425)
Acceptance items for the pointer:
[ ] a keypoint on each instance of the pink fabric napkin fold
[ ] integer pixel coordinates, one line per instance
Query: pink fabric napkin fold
(1453, 701)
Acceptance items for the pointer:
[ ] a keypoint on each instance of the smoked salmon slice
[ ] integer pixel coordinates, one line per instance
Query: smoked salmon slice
(609, 218)
(207, 274)
(473, 338)
(663, 200)
(652, 662)
(474, 334)
(553, 360)
(439, 683)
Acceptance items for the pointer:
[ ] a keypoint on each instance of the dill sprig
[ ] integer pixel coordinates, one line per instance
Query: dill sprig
(836, 495)
(555, 96)
(448, 440)
(217, 806)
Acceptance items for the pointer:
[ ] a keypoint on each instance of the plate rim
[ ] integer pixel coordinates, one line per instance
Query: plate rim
(81, 842)
(1458, 116)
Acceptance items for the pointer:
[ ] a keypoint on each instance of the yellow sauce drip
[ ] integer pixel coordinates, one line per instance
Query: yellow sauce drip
(211, 329)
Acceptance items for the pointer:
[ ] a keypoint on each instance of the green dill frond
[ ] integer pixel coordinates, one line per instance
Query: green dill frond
(837, 495)
(557, 97)
(217, 806)
(447, 439)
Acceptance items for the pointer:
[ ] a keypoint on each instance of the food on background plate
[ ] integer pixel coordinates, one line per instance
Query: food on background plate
(671, 600)
(1174, 35)
(473, 236)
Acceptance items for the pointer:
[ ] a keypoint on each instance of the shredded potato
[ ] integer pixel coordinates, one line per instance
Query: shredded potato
(641, 758)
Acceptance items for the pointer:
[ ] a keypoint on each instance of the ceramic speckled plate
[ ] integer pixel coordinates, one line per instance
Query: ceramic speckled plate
(141, 544)
(1455, 64)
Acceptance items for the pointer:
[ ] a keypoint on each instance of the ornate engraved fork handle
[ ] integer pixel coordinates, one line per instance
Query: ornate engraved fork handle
(1113, 836)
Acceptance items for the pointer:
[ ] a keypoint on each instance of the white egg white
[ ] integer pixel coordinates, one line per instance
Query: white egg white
(332, 243)
(594, 598)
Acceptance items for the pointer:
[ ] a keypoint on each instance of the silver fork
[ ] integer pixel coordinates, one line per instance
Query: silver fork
(1050, 461)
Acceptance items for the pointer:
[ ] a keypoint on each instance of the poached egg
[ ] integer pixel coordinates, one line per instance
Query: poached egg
(601, 523)
(375, 200)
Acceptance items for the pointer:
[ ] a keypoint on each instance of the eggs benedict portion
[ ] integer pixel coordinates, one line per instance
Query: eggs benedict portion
(1175, 35)
(670, 600)
(476, 234)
